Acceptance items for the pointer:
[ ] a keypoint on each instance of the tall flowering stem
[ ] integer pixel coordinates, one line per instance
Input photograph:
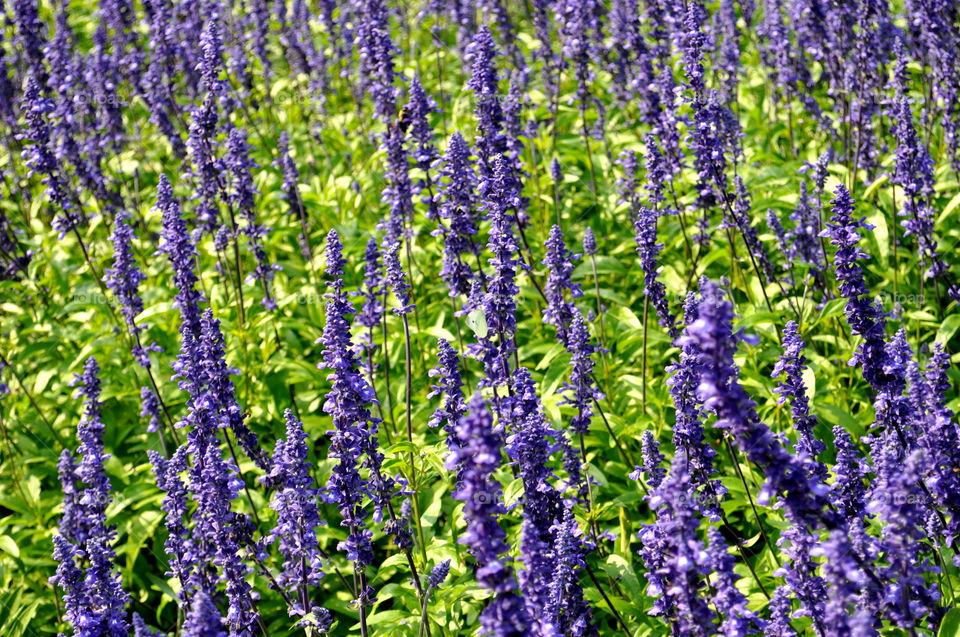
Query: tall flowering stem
(291, 190)
(530, 446)
(720, 390)
(458, 207)
(124, 279)
(674, 556)
(94, 600)
(645, 235)
(500, 301)
(580, 33)
(559, 261)
(242, 199)
(865, 317)
(477, 460)
(791, 365)
(450, 386)
(295, 501)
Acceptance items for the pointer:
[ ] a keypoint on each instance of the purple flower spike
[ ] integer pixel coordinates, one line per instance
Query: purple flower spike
(94, 600)
(582, 391)
(477, 460)
(645, 229)
(559, 261)
(719, 388)
(124, 278)
(865, 317)
(295, 501)
(792, 364)
(450, 386)
(567, 612)
(738, 620)
(458, 207)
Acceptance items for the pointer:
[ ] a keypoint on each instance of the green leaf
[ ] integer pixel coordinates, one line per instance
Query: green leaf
(950, 626)
(951, 207)
(619, 569)
(9, 545)
(948, 328)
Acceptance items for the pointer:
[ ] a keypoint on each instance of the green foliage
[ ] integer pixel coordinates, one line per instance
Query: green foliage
(56, 315)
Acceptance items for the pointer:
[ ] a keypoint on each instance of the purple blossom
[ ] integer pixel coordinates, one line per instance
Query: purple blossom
(632, 68)
(398, 191)
(203, 619)
(40, 159)
(675, 557)
(658, 176)
(897, 501)
(842, 575)
(488, 109)
(158, 77)
(458, 206)
(778, 625)
(218, 393)
(176, 244)
(477, 460)
(425, 152)
(866, 318)
(31, 39)
(559, 261)
(741, 216)
(396, 279)
(95, 603)
(206, 167)
(589, 242)
(140, 628)
(730, 603)
(628, 185)
(179, 545)
(295, 501)
(578, 25)
(450, 387)
(913, 171)
(150, 408)
(802, 238)
(221, 532)
(688, 433)
(372, 310)
(438, 574)
(581, 389)
(242, 198)
(530, 447)
(721, 392)
(556, 171)
(645, 235)
(500, 302)
(567, 612)
(792, 363)
(728, 52)
(940, 439)
(291, 190)
(346, 403)
(124, 278)
(652, 461)
(377, 52)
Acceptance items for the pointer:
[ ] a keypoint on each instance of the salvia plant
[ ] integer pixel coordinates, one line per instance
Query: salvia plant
(452, 317)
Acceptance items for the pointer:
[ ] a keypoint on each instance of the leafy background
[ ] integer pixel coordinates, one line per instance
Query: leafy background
(56, 316)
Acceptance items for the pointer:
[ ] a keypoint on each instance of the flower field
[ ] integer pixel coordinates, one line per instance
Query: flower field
(438, 318)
